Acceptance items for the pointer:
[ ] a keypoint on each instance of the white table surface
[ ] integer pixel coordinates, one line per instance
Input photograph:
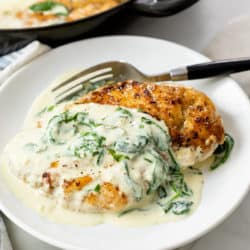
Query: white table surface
(194, 28)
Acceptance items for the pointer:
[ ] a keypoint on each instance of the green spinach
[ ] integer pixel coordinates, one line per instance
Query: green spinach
(222, 152)
(50, 6)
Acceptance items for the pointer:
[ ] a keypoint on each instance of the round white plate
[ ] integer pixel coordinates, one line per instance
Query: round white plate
(223, 189)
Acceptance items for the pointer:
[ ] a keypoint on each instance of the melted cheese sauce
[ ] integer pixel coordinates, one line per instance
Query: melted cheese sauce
(8, 5)
(50, 207)
(8, 10)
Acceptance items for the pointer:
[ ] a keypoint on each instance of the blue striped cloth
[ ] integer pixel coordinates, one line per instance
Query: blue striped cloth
(5, 61)
(15, 60)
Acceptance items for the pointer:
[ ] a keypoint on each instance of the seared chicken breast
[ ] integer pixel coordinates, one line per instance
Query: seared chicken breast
(194, 125)
(92, 157)
(115, 149)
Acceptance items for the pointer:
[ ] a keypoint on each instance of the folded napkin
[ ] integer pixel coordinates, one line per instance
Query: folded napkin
(8, 65)
(12, 62)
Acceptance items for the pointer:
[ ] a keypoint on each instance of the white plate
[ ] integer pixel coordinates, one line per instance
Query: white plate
(223, 189)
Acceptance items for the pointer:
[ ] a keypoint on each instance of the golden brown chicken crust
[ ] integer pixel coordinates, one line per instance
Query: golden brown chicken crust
(109, 198)
(189, 114)
(76, 184)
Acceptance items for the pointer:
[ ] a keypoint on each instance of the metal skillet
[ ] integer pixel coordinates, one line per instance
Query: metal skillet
(12, 39)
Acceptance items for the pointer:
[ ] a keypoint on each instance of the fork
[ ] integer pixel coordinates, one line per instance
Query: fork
(120, 71)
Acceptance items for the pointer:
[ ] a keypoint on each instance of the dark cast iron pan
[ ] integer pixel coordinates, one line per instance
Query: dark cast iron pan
(12, 39)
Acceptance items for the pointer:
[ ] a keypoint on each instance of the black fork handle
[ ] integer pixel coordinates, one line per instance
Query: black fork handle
(210, 69)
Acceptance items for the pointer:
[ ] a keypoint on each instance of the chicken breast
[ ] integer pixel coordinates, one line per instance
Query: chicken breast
(93, 158)
(194, 125)
(112, 150)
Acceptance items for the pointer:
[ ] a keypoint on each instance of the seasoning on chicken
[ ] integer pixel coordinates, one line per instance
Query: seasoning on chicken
(194, 125)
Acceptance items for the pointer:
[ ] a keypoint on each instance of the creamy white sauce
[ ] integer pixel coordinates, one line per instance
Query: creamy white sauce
(48, 208)
(8, 19)
(51, 208)
(17, 14)
(9, 5)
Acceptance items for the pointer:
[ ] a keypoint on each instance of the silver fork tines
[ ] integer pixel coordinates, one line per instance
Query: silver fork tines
(114, 70)
(70, 87)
